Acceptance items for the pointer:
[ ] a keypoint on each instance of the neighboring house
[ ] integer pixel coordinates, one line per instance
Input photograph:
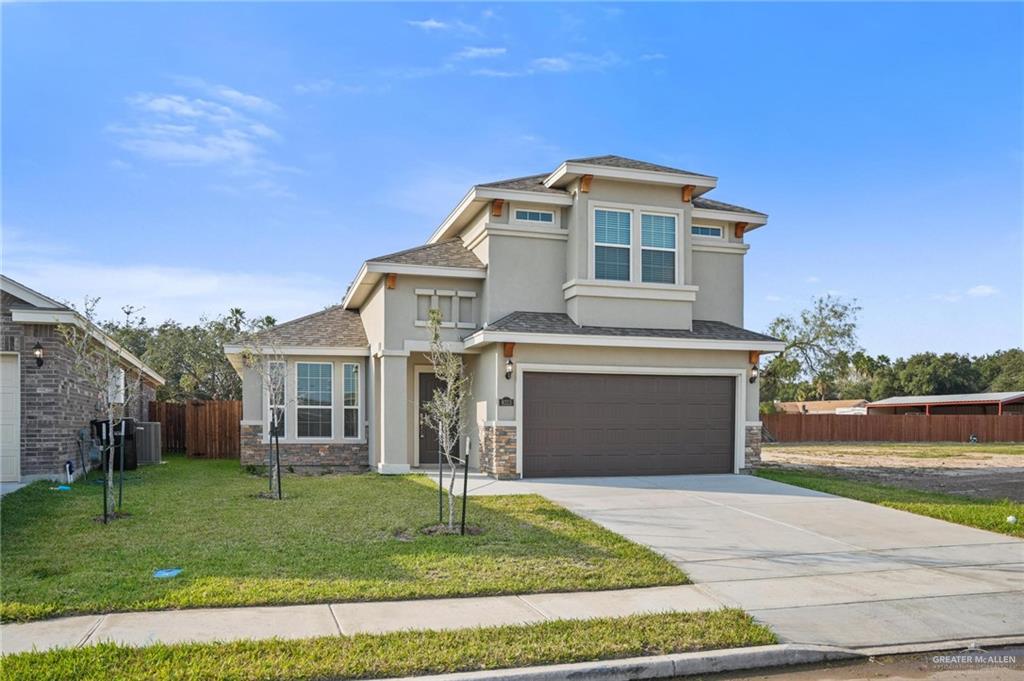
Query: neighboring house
(599, 309)
(43, 405)
(971, 403)
(851, 407)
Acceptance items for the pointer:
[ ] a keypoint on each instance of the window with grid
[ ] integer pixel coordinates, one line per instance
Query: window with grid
(313, 396)
(535, 216)
(706, 230)
(657, 249)
(612, 244)
(276, 372)
(350, 401)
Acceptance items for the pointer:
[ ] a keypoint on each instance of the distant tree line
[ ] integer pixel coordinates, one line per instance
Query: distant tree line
(190, 356)
(823, 361)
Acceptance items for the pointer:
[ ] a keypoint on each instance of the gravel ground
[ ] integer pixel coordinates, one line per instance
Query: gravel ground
(968, 470)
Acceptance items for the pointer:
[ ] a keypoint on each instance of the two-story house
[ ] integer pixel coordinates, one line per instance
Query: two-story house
(599, 311)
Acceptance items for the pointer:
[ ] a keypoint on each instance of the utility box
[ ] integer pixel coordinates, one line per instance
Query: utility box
(147, 442)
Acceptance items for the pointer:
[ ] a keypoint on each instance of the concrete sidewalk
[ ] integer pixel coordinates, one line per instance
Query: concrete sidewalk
(303, 621)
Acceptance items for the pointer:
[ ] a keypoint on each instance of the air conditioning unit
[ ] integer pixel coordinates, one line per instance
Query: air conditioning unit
(147, 442)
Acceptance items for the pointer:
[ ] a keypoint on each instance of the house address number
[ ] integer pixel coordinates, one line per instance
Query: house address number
(506, 402)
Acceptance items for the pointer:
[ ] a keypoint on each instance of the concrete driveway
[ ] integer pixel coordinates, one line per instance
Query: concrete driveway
(816, 568)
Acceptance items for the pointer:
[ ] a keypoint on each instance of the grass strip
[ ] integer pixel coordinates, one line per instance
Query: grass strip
(984, 514)
(400, 654)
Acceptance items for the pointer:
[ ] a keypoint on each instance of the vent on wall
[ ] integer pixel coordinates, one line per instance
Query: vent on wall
(9, 344)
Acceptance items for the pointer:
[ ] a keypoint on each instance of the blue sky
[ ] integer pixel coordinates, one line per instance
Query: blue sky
(190, 157)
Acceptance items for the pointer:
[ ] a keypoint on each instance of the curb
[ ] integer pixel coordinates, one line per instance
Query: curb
(661, 666)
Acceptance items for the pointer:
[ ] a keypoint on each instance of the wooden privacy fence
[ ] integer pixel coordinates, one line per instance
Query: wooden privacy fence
(209, 429)
(172, 424)
(892, 428)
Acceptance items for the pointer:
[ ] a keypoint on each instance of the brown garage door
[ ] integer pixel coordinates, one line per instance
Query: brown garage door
(610, 424)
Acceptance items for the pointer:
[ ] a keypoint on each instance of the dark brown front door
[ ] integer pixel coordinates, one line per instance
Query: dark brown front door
(612, 424)
(429, 446)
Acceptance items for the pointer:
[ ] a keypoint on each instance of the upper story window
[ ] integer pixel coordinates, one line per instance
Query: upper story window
(350, 400)
(277, 375)
(456, 307)
(706, 230)
(612, 244)
(657, 248)
(544, 216)
(315, 399)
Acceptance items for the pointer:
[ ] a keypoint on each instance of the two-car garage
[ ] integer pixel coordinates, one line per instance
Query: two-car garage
(589, 424)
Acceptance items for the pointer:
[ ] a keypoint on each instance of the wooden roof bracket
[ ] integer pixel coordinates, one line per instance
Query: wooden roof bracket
(741, 227)
(585, 183)
(687, 193)
(509, 349)
(496, 206)
(390, 280)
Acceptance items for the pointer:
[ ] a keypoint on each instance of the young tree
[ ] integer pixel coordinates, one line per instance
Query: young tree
(97, 363)
(263, 356)
(446, 411)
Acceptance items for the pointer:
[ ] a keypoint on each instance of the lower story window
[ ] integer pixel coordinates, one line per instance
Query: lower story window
(314, 414)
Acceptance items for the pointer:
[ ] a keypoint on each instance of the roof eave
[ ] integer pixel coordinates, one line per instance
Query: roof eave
(485, 337)
(569, 171)
(478, 197)
(371, 273)
(753, 220)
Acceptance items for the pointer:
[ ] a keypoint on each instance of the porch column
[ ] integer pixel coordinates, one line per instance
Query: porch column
(394, 405)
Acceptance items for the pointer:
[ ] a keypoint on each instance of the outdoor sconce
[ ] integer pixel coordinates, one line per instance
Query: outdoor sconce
(37, 352)
(754, 373)
(508, 369)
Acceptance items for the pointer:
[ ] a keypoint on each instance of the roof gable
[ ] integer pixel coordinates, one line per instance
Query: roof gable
(333, 327)
(450, 253)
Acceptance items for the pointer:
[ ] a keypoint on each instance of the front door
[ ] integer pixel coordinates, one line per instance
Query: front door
(430, 450)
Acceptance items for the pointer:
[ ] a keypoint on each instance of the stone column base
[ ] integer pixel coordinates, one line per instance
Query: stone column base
(498, 450)
(752, 449)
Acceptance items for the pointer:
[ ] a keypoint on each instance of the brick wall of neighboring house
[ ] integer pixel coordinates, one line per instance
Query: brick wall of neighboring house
(303, 458)
(55, 403)
(752, 448)
(498, 451)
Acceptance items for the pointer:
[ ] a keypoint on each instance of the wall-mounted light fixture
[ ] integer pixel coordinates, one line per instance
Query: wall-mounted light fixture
(755, 359)
(754, 373)
(509, 350)
(37, 352)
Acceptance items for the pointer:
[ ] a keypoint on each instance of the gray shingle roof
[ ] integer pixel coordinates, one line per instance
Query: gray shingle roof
(612, 161)
(530, 183)
(711, 204)
(334, 327)
(450, 253)
(907, 400)
(560, 323)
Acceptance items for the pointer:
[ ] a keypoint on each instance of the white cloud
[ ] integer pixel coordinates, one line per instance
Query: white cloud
(314, 87)
(184, 130)
(982, 291)
(480, 52)
(652, 56)
(812, 279)
(576, 61)
(773, 298)
(180, 293)
(118, 164)
(497, 73)
(429, 25)
(950, 297)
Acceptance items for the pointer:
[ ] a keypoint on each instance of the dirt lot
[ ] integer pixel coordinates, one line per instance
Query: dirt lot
(993, 471)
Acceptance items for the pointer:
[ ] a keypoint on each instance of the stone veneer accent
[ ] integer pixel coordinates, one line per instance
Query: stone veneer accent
(305, 458)
(498, 451)
(752, 448)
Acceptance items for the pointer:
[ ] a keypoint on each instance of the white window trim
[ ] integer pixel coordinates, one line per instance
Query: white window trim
(526, 221)
(116, 386)
(334, 426)
(635, 261)
(268, 393)
(358, 405)
(675, 251)
(721, 231)
(594, 243)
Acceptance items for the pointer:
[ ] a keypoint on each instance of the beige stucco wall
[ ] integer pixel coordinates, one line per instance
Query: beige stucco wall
(400, 309)
(721, 287)
(524, 273)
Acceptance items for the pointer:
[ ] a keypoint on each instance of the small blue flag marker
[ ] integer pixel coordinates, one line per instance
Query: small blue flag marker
(62, 488)
(166, 573)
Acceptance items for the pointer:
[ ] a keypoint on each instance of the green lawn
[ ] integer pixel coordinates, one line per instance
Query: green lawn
(913, 450)
(334, 538)
(400, 654)
(981, 513)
